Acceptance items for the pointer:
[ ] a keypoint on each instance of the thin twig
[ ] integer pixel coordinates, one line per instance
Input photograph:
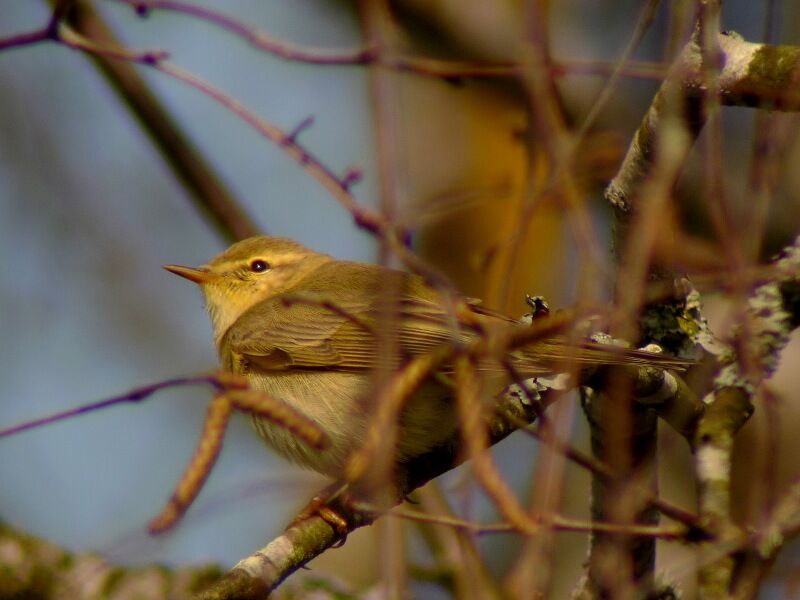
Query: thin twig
(642, 26)
(257, 37)
(370, 56)
(475, 438)
(25, 39)
(389, 402)
(253, 577)
(199, 467)
(602, 469)
(555, 522)
(205, 187)
(138, 394)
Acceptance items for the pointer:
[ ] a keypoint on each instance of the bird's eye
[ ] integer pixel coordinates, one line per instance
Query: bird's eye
(259, 266)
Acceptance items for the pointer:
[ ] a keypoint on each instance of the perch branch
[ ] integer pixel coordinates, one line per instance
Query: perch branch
(255, 576)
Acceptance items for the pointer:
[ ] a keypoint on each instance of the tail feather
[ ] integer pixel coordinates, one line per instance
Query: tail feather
(550, 356)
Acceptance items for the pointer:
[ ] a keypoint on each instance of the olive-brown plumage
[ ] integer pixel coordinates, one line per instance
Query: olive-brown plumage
(304, 328)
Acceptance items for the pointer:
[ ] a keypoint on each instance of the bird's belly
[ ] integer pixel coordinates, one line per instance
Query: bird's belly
(327, 398)
(340, 404)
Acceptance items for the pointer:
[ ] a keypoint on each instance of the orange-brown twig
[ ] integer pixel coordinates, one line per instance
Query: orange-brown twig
(390, 402)
(199, 467)
(277, 411)
(555, 522)
(476, 441)
(233, 393)
(209, 445)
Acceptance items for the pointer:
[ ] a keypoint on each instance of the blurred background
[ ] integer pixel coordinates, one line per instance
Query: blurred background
(89, 212)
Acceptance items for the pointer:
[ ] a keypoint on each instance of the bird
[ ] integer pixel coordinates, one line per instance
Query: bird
(306, 328)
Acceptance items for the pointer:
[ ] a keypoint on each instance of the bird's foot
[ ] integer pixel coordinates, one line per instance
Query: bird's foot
(319, 506)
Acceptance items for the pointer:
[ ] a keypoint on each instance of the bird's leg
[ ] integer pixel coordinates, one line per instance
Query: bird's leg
(320, 506)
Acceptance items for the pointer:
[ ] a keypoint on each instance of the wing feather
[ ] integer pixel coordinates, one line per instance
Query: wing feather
(282, 333)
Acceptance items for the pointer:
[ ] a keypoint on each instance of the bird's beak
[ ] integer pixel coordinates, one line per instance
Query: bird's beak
(200, 275)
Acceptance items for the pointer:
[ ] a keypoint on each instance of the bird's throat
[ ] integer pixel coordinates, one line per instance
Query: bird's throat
(225, 307)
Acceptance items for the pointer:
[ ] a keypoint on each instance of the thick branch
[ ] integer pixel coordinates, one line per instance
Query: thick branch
(33, 568)
(757, 75)
(771, 318)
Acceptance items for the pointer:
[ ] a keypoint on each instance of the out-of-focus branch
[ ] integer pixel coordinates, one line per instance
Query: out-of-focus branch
(602, 470)
(338, 186)
(455, 553)
(207, 189)
(264, 570)
(772, 315)
(24, 39)
(371, 55)
(219, 380)
(33, 568)
(365, 217)
(749, 75)
(623, 430)
(783, 525)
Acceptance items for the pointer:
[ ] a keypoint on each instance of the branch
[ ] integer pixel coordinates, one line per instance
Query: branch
(263, 571)
(554, 522)
(749, 75)
(372, 56)
(756, 75)
(772, 314)
(219, 380)
(260, 573)
(25, 39)
(206, 188)
(338, 186)
(33, 568)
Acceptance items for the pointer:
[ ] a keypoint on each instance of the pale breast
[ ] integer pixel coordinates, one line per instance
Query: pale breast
(330, 399)
(341, 404)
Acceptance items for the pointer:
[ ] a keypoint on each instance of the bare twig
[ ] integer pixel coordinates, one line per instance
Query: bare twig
(455, 551)
(191, 168)
(555, 522)
(642, 26)
(256, 37)
(233, 393)
(626, 435)
(372, 56)
(476, 441)
(219, 380)
(605, 471)
(24, 39)
(389, 403)
(199, 468)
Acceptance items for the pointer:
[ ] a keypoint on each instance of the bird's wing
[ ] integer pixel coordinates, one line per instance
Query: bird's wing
(276, 337)
(305, 331)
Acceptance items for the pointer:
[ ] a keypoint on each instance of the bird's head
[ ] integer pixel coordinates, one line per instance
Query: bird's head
(248, 272)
